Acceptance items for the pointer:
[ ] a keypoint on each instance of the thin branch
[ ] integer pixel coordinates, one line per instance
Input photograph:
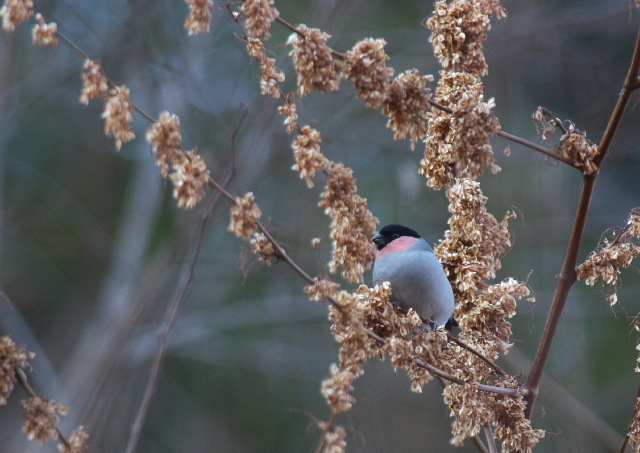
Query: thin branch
(491, 439)
(626, 437)
(21, 377)
(568, 274)
(450, 377)
(515, 138)
(534, 146)
(481, 446)
(173, 308)
(473, 351)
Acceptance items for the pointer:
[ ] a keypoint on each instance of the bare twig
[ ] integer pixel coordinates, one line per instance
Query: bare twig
(515, 138)
(450, 377)
(568, 274)
(481, 446)
(172, 311)
(491, 439)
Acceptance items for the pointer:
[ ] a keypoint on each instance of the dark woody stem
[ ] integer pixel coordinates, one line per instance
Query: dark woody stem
(568, 274)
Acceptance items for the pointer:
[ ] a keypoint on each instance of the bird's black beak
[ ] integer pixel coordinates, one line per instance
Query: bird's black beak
(379, 240)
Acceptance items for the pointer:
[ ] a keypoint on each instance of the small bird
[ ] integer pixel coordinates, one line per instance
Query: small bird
(417, 278)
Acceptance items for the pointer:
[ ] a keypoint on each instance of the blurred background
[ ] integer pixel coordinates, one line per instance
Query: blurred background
(92, 245)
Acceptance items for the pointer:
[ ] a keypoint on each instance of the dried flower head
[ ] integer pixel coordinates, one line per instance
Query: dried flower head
(459, 27)
(337, 389)
(14, 12)
(348, 329)
(117, 115)
(473, 409)
(313, 62)
(199, 18)
(44, 34)
(406, 104)
(260, 14)
(333, 438)
(289, 109)
(575, 145)
(472, 245)
(604, 263)
(94, 81)
(459, 142)
(244, 216)
(545, 122)
(352, 224)
(309, 158)
(365, 64)
(321, 288)
(76, 442)
(270, 73)
(42, 416)
(11, 356)
(262, 247)
(189, 177)
(166, 142)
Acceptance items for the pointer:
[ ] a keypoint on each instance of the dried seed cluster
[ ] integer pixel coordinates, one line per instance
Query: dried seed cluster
(472, 245)
(352, 224)
(458, 143)
(77, 441)
(309, 157)
(470, 253)
(186, 169)
(604, 263)
(44, 34)
(459, 28)
(244, 216)
(290, 110)
(262, 247)
(42, 416)
(117, 116)
(365, 64)
(406, 105)
(199, 18)
(11, 356)
(573, 144)
(259, 16)
(314, 65)
(333, 438)
(95, 84)
(270, 74)
(14, 12)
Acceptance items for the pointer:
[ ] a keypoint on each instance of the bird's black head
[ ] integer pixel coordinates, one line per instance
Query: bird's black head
(391, 232)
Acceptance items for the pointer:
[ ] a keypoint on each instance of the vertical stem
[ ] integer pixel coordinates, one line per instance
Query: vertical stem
(568, 273)
(626, 438)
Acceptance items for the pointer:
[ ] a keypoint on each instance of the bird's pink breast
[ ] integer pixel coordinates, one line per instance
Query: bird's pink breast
(398, 245)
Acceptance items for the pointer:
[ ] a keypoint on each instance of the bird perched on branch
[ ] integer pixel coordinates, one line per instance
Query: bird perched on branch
(417, 278)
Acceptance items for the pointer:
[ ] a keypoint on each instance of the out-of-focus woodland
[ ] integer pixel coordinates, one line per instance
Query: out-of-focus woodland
(93, 247)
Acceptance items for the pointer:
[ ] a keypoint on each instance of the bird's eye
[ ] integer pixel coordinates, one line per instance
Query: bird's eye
(395, 236)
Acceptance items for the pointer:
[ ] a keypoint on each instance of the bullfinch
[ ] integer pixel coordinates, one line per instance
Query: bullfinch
(417, 278)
